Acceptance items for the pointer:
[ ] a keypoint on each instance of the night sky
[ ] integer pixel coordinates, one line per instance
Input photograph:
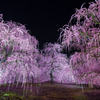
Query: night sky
(42, 17)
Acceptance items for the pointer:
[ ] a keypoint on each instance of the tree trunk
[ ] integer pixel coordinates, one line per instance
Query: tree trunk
(51, 76)
(90, 85)
(82, 88)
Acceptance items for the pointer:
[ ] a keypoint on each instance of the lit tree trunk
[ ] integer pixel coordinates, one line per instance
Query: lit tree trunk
(82, 88)
(90, 84)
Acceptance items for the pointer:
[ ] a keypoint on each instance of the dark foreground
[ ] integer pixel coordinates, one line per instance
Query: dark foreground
(48, 91)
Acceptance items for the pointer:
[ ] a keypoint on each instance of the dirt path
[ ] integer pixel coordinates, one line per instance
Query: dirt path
(64, 85)
(69, 86)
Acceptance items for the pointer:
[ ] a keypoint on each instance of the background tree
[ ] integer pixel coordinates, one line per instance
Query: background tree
(54, 62)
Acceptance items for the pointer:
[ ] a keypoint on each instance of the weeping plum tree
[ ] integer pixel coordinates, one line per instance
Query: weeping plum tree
(49, 58)
(53, 61)
(18, 53)
(84, 35)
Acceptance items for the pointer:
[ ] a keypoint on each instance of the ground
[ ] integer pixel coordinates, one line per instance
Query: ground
(48, 91)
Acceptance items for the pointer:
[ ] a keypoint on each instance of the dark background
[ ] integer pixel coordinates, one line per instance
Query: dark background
(42, 17)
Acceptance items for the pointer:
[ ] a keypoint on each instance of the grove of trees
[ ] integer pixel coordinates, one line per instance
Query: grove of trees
(22, 61)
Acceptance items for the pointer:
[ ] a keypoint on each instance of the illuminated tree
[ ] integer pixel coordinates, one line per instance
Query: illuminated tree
(84, 35)
(54, 63)
(18, 53)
